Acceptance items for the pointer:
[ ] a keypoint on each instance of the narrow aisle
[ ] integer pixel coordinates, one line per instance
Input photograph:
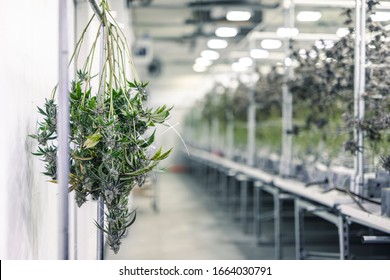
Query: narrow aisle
(188, 226)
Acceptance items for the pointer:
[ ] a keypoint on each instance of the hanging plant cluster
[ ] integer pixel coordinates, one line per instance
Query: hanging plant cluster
(216, 105)
(111, 149)
(213, 104)
(268, 99)
(325, 77)
(240, 102)
(376, 87)
(268, 94)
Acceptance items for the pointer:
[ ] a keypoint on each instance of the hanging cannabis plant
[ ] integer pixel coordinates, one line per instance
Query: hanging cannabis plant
(325, 77)
(110, 153)
(376, 88)
(268, 93)
(377, 98)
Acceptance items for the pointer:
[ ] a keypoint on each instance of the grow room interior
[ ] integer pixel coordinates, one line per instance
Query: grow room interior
(277, 113)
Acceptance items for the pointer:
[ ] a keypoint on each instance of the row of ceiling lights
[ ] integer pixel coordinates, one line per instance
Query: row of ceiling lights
(208, 56)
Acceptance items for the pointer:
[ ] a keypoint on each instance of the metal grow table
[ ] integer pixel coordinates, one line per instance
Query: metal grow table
(333, 206)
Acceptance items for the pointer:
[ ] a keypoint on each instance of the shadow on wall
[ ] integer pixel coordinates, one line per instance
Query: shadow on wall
(31, 203)
(20, 191)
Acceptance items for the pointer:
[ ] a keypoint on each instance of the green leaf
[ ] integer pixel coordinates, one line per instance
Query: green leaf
(92, 140)
(165, 155)
(150, 140)
(160, 109)
(141, 171)
(41, 111)
(156, 155)
(101, 228)
(132, 220)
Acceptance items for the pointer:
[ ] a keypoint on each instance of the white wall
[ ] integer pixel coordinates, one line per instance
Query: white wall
(28, 72)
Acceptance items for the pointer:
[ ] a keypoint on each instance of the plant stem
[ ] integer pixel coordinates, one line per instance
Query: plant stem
(80, 42)
(90, 57)
(125, 44)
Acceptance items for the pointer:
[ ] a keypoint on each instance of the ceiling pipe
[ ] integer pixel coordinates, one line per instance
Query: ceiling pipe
(199, 6)
(334, 4)
(245, 24)
(257, 35)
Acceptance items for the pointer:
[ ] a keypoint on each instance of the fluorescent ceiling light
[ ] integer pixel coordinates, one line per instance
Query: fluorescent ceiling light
(203, 61)
(342, 31)
(217, 44)
(238, 15)
(226, 32)
(271, 44)
(246, 61)
(210, 55)
(259, 53)
(380, 16)
(285, 32)
(308, 16)
(199, 68)
(238, 67)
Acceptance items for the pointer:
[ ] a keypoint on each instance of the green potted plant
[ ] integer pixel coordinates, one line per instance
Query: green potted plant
(110, 153)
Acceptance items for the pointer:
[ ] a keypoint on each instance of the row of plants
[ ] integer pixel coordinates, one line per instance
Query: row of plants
(111, 130)
(323, 99)
(229, 106)
(325, 77)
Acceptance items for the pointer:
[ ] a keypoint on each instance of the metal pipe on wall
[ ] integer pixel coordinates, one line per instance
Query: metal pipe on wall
(230, 132)
(63, 132)
(359, 89)
(74, 212)
(100, 206)
(251, 135)
(287, 114)
(251, 129)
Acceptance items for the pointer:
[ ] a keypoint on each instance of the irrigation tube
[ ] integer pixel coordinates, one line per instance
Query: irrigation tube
(359, 88)
(63, 133)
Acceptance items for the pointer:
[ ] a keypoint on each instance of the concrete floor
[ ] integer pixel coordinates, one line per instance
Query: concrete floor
(187, 226)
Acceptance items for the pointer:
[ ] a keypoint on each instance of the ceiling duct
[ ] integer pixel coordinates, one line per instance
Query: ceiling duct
(201, 5)
(138, 3)
(205, 16)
